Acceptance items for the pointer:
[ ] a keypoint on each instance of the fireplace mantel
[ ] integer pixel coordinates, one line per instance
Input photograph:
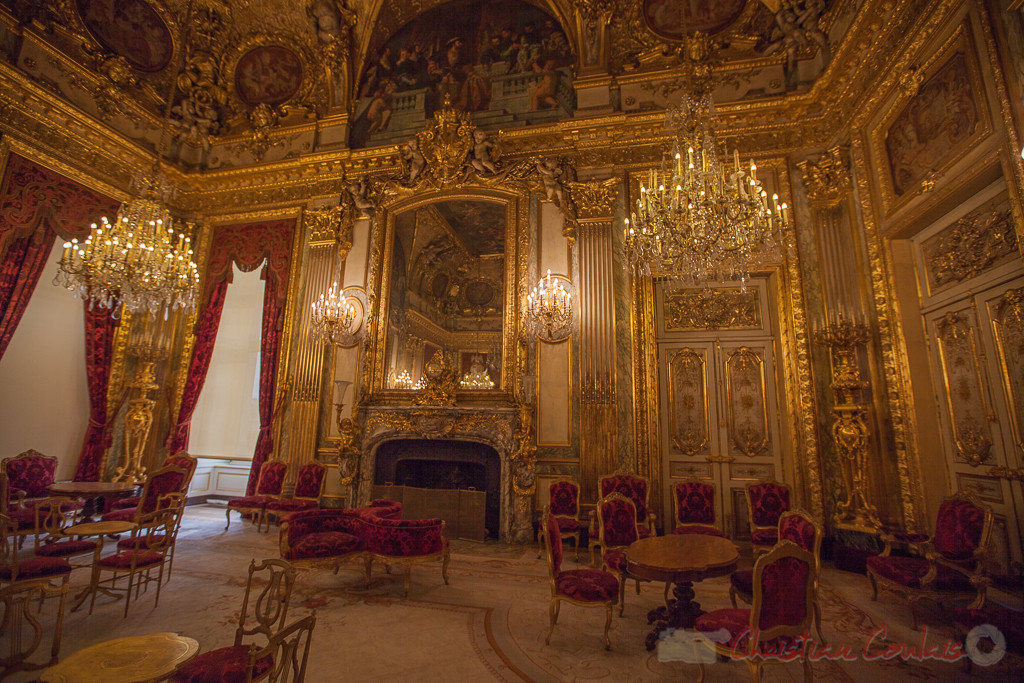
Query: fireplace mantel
(495, 426)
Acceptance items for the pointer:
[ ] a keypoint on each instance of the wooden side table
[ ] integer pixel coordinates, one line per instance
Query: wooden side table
(99, 529)
(135, 659)
(679, 559)
(93, 492)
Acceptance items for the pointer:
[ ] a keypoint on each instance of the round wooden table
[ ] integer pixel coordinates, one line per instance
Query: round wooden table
(679, 559)
(135, 659)
(92, 491)
(100, 529)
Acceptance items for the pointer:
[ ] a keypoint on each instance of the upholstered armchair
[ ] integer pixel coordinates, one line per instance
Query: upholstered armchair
(798, 527)
(766, 501)
(637, 489)
(564, 505)
(945, 563)
(695, 508)
(406, 542)
(309, 487)
(616, 531)
(584, 587)
(180, 459)
(778, 620)
(269, 486)
(29, 475)
(323, 538)
(158, 484)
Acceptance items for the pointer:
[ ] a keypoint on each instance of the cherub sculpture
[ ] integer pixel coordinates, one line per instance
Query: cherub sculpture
(480, 157)
(413, 161)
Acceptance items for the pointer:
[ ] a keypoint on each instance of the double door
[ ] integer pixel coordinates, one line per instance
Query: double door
(719, 420)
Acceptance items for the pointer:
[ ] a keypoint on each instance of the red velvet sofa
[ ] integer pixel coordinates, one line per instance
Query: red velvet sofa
(332, 538)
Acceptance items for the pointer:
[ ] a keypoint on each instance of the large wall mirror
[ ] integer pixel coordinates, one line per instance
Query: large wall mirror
(448, 291)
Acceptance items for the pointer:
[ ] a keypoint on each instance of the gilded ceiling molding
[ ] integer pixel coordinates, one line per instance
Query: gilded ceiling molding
(898, 399)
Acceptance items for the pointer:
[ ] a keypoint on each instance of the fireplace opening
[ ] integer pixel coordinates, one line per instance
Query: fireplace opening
(444, 466)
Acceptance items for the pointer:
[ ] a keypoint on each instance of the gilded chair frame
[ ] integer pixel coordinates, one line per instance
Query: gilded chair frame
(675, 503)
(9, 554)
(972, 567)
(751, 655)
(288, 649)
(615, 495)
(575, 536)
(625, 471)
(816, 551)
(52, 518)
(258, 513)
(315, 499)
(557, 599)
(17, 599)
(18, 495)
(750, 510)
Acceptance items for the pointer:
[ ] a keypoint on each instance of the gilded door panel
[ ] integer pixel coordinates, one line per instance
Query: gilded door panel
(688, 401)
(966, 400)
(747, 425)
(1007, 314)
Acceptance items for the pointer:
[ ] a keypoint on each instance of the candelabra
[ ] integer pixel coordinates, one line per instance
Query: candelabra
(336, 318)
(149, 343)
(699, 218)
(477, 378)
(549, 308)
(850, 430)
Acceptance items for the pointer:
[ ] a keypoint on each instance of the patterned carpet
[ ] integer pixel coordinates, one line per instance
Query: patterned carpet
(488, 624)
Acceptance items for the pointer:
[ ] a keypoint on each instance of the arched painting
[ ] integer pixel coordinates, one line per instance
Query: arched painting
(506, 57)
(129, 28)
(673, 19)
(268, 74)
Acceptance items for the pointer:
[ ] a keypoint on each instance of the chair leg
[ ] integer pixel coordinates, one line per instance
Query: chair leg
(408, 575)
(622, 593)
(607, 625)
(754, 666)
(732, 596)
(700, 666)
(444, 566)
(540, 542)
(874, 586)
(808, 671)
(664, 597)
(638, 586)
(228, 513)
(552, 620)
(159, 582)
(817, 623)
(367, 567)
(128, 593)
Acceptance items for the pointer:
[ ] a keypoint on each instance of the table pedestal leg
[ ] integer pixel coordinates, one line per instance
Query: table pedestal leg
(679, 613)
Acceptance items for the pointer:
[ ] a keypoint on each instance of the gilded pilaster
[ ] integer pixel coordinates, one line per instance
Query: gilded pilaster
(598, 409)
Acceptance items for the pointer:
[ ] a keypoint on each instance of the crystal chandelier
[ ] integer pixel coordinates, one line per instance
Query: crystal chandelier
(404, 381)
(138, 262)
(335, 317)
(701, 218)
(549, 308)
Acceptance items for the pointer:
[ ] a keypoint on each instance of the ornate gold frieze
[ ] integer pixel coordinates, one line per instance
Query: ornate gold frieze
(965, 394)
(331, 225)
(828, 181)
(980, 240)
(716, 308)
(595, 199)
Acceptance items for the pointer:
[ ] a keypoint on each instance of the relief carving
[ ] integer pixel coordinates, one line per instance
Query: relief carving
(688, 418)
(827, 181)
(712, 309)
(1009, 319)
(745, 389)
(980, 240)
(964, 391)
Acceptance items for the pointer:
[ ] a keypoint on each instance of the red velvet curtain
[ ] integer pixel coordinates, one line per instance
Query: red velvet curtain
(270, 345)
(23, 263)
(247, 246)
(100, 329)
(206, 334)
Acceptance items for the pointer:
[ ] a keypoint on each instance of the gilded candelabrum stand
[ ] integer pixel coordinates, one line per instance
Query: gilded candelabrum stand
(850, 430)
(149, 344)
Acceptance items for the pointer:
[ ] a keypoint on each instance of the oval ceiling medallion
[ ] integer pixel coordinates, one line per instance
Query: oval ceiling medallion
(131, 29)
(479, 292)
(270, 74)
(674, 19)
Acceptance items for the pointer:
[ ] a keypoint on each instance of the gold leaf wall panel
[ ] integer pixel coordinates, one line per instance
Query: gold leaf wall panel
(748, 414)
(964, 390)
(688, 402)
(1009, 329)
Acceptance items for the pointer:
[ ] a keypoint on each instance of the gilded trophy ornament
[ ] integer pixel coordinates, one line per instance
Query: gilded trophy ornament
(828, 181)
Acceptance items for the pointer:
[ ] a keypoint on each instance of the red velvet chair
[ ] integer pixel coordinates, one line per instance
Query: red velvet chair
(309, 487)
(616, 530)
(766, 501)
(13, 570)
(945, 564)
(180, 459)
(637, 489)
(798, 527)
(158, 484)
(138, 538)
(269, 486)
(269, 610)
(29, 475)
(51, 539)
(564, 504)
(695, 508)
(22, 519)
(584, 587)
(780, 617)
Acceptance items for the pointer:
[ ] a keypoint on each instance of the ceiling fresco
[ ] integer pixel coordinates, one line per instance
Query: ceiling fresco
(480, 225)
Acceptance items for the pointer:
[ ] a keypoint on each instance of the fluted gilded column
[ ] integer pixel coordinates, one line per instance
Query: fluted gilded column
(594, 201)
(325, 251)
(846, 331)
